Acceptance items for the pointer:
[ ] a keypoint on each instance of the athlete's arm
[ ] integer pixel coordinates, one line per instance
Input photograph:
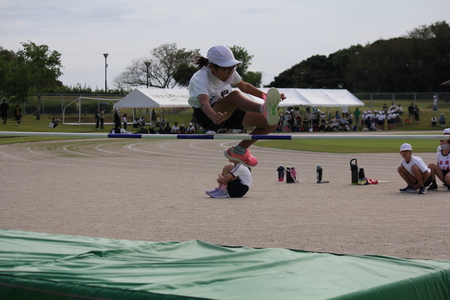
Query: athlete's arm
(216, 117)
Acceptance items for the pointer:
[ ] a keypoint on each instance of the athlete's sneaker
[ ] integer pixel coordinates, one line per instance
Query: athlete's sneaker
(219, 194)
(433, 186)
(270, 106)
(421, 190)
(246, 159)
(408, 189)
(211, 192)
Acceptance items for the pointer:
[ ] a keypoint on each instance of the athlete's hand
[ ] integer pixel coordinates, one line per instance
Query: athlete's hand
(218, 117)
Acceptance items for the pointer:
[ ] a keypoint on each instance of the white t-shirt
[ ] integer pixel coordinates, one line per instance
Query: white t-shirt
(191, 129)
(415, 160)
(443, 161)
(244, 174)
(204, 82)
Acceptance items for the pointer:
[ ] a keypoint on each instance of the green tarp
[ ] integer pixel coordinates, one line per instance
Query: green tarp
(47, 266)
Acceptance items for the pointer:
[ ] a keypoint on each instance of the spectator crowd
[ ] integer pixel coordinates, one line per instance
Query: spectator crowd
(386, 118)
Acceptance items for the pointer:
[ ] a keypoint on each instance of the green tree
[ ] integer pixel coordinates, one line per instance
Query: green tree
(313, 72)
(42, 66)
(419, 62)
(6, 70)
(382, 66)
(184, 71)
(430, 57)
(164, 63)
(183, 74)
(254, 78)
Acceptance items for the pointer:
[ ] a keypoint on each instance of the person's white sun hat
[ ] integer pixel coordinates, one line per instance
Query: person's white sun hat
(222, 56)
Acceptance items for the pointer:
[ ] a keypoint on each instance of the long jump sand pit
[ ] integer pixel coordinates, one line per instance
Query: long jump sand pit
(153, 190)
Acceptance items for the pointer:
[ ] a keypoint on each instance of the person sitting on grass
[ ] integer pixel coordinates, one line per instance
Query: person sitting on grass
(55, 123)
(442, 120)
(234, 181)
(414, 171)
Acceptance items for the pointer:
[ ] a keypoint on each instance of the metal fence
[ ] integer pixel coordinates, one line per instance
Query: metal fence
(402, 96)
(48, 105)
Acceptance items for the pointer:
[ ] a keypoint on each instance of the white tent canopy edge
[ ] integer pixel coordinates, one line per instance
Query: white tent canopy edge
(165, 98)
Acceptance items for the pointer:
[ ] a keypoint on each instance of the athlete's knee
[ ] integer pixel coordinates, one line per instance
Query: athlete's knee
(234, 95)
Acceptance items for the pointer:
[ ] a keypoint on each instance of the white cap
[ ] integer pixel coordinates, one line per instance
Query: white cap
(446, 131)
(222, 56)
(405, 147)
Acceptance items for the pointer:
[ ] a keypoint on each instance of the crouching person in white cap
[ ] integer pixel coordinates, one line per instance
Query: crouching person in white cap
(441, 168)
(414, 171)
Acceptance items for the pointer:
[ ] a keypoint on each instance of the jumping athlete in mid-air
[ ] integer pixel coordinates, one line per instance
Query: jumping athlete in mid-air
(217, 106)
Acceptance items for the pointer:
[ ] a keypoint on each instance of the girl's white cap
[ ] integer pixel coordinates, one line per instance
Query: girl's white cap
(222, 56)
(405, 147)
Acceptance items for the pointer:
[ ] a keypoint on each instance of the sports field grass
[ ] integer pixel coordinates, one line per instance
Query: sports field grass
(350, 146)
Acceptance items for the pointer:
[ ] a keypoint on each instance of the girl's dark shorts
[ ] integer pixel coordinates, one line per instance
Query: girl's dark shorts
(428, 182)
(233, 122)
(236, 188)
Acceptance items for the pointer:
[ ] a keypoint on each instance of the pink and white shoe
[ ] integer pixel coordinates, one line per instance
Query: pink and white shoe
(246, 159)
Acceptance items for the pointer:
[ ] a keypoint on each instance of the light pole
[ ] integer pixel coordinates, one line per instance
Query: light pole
(147, 64)
(106, 73)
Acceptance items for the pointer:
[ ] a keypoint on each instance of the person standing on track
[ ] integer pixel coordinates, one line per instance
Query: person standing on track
(18, 114)
(217, 106)
(4, 108)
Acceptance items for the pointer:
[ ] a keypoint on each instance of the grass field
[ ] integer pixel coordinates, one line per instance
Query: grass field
(351, 146)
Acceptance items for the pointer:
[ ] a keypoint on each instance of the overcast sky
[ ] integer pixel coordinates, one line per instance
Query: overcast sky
(278, 33)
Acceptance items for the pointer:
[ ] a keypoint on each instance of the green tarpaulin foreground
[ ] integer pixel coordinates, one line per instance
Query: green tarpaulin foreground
(47, 266)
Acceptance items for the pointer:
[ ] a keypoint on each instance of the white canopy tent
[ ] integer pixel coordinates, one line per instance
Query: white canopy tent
(154, 98)
(164, 98)
(316, 98)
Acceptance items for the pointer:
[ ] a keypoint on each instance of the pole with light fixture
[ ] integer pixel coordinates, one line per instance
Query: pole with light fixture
(147, 64)
(106, 73)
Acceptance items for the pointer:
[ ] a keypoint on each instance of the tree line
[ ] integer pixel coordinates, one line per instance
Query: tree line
(416, 62)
